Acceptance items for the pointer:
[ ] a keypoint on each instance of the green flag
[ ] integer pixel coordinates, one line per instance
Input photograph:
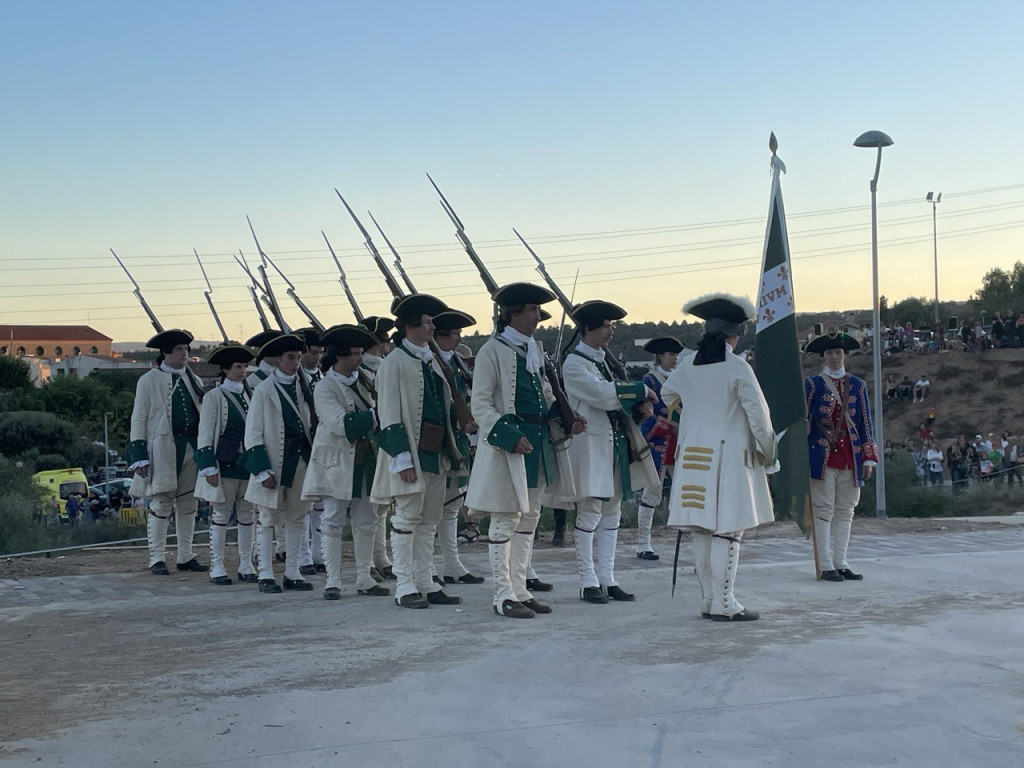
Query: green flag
(777, 364)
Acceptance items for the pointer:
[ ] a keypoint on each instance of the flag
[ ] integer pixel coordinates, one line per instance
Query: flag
(777, 364)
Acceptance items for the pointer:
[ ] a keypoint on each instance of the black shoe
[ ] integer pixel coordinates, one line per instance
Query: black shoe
(319, 567)
(743, 615)
(440, 598)
(849, 575)
(375, 591)
(593, 595)
(832, 575)
(558, 539)
(413, 600)
(375, 575)
(514, 610)
(466, 578)
(299, 585)
(269, 586)
(536, 585)
(437, 580)
(159, 569)
(192, 565)
(332, 593)
(705, 615)
(618, 593)
(222, 580)
(248, 578)
(388, 573)
(537, 606)
(307, 570)
(280, 557)
(647, 556)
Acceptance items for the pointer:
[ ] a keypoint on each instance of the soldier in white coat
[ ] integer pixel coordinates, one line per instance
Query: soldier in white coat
(380, 327)
(222, 480)
(311, 556)
(164, 428)
(521, 456)
(278, 444)
(417, 449)
(264, 365)
(610, 458)
(343, 461)
(726, 445)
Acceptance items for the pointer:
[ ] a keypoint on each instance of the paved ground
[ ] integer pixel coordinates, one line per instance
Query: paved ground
(919, 665)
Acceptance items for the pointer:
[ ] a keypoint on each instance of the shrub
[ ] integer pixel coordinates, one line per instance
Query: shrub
(23, 430)
(904, 496)
(20, 530)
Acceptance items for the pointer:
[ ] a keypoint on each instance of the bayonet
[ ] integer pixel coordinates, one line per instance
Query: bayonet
(344, 282)
(138, 295)
(295, 296)
(208, 293)
(393, 286)
(460, 233)
(253, 287)
(398, 259)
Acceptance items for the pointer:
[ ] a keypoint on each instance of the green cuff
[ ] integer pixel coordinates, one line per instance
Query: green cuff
(255, 460)
(506, 434)
(393, 439)
(205, 457)
(630, 393)
(137, 451)
(358, 425)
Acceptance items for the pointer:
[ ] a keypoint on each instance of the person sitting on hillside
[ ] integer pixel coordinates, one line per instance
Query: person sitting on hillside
(892, 387)
(922, 388)
(906, 388)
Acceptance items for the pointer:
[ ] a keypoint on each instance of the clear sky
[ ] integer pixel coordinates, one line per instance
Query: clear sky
(627, 141)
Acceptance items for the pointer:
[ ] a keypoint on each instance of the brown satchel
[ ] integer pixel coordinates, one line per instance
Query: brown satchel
(432, 437)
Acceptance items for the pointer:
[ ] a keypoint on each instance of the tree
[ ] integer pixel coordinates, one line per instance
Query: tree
(22, 431)
(1001, 290)
(77, 399)
(14, 373)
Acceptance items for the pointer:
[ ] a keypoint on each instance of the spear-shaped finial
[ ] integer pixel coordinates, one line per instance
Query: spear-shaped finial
(773, 143)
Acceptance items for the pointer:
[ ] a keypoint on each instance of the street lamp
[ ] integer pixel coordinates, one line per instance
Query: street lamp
(935, 200)
(106, 450)
(876, 139)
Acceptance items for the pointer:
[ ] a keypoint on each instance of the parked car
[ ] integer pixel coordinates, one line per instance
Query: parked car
(119, 487)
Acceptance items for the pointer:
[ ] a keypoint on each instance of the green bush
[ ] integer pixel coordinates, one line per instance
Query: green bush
(20, 530)
(24, 430)
(904, 495)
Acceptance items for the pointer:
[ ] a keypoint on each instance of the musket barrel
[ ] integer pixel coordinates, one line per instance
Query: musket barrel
(137, 292)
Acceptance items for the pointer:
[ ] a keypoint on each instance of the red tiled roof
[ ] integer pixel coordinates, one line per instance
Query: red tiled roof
(51, 333)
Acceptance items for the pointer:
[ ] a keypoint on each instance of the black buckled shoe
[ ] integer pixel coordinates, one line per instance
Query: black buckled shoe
(159, 569)
(514, 610)
(299, 585)
(536, 585)
(307, 570)
(440, 598)
(593, 595)
(319, 567)
(221, 580)
(466, 578)
(616, 592)
(375, 591)
(332, 593)
(412, 600)
(832, 575)
(648, 555)
(248, 578)
(388, 573)
(537, 606)
(849, 575)
(375, 575)
(192, 565)
(744, 615)
(269, 586)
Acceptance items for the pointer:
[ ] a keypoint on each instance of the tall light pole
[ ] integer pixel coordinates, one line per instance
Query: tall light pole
(876, 139)
(106, 450)
(935, 200)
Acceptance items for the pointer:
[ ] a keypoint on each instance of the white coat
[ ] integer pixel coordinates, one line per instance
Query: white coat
(213, 420)
(719, 483)
(265, 426)
(332, 462)
(498, 481)
(151, 421)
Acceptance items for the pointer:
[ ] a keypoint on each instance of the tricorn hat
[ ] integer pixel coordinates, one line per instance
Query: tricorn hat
(517, 294)
(412, 307)
(721, 306)
(227, 355)
(663, 344)
(344, 338)
(286, 342)
(596, 311)
(170, 338)
(261, 338)
(833, 338)
(464, 351)
(379, 327)
(310, 335)
(451, 319)
(544, 315)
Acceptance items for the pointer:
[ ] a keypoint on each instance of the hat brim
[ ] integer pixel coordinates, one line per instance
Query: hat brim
(346, 337)
(229, 354)
(664, 344)
(518, 294)
(451, 319)
(170, 338)
(288, 342)
(821, 344)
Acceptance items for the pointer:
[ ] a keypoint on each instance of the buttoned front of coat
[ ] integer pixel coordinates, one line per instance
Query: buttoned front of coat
(332, 462)
(264, 427)
(151, 423)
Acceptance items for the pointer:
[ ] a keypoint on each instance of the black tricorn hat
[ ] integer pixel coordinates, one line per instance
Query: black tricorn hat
(833, 338)
(310, 335)
(516, 294)
(544, 315)
(286, 342)
(451, 319)
(412, 307)
(721, 306)
(663, 344)
(596, 311)
(261, 338)
(379, 327)
(343, 338)
(170, 338)
(227, 355)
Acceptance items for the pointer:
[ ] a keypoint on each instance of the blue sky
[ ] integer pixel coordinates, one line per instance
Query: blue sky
(154, 130)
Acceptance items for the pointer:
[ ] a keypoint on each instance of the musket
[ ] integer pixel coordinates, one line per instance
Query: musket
(208, 293)
(344, 283)
(616, 368)
(462, 412)
(138, 295)
(295, 297)
(460, 233)
(253, 287)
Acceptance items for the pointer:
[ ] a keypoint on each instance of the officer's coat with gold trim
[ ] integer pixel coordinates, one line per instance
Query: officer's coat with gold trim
(725, 439)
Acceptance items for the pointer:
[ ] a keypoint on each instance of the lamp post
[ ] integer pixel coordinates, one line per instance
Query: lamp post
(935, 200)
(876, 139)
(106, 450)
